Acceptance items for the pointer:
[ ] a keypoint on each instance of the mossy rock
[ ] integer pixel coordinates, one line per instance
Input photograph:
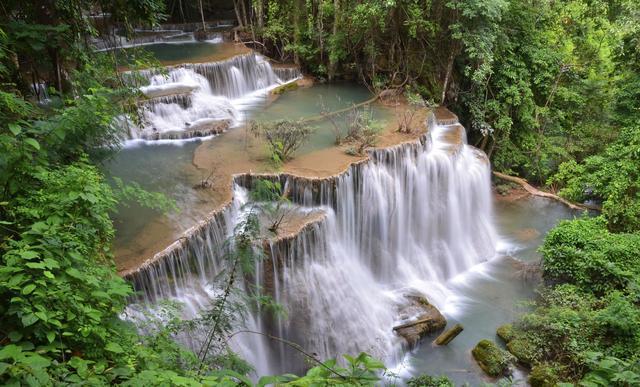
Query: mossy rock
(493, 360)
(523, 350)
(506, 332)
(543, 375)
(286, 87)
(430, 381)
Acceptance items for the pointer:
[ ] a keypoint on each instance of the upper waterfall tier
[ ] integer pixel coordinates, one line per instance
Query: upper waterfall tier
(214, 92)
(406, 220)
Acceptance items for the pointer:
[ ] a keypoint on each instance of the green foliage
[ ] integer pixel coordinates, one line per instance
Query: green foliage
(544, 375)
(590, 307)
(584, 253)
(612, 176)
(610, 371)
(430, 381)
(362, 370)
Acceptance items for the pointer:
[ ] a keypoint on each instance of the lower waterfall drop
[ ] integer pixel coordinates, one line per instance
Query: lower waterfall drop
(405, 222)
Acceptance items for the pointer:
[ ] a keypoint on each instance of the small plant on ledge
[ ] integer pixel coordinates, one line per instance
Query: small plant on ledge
(283, 137)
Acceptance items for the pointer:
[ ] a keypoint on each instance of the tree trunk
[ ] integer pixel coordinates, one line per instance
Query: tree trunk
(237, 10)
(244, 13)
(296, 29)
(447, 76)
(181, 11)
(204, 25)
(259, 13)
(331, 71)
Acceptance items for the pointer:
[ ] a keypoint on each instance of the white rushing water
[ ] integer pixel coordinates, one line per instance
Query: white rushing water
(406, 222)
(192, 97)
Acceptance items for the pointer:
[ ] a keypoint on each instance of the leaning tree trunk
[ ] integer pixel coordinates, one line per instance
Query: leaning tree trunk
(447, 76)
(204, 25)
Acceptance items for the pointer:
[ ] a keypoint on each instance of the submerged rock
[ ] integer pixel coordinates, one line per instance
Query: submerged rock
(493, 360)
(421, 317)
(527, 234)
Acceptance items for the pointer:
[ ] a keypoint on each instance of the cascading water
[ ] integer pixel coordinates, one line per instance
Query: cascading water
(405, 222)
(194, 98)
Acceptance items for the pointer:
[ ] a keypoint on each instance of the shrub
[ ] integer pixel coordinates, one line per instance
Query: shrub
(283, 137)
(583, 252)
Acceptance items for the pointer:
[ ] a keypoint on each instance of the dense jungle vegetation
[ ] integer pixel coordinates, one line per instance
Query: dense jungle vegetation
(549, 89)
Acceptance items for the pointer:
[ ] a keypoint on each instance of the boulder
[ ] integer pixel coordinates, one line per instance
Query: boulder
(544, 375)
(493, 360)
(506, 332)
(420, 318)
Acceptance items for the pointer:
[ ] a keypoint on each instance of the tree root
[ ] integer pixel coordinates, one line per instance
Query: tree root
(536, 192)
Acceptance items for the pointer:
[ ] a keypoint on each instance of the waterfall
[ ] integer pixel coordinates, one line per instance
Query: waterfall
(194, 94)
(406, 221)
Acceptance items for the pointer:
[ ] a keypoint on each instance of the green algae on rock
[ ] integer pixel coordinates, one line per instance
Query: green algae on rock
(493, 360)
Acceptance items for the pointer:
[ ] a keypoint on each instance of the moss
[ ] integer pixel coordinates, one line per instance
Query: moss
(506, 332)
(286, 87)
(523, 350)
(430, 381)
(493, 360)
(543, 375)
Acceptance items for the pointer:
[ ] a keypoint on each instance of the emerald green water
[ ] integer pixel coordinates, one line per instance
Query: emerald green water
(177, 52)
(166, 166)
(309, 102)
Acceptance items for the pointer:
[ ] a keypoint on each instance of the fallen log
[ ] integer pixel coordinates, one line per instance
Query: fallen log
(447, 336)
(534, 191)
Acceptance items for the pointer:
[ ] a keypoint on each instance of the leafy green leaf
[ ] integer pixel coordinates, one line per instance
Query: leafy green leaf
(28, 289)
(33, 143)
